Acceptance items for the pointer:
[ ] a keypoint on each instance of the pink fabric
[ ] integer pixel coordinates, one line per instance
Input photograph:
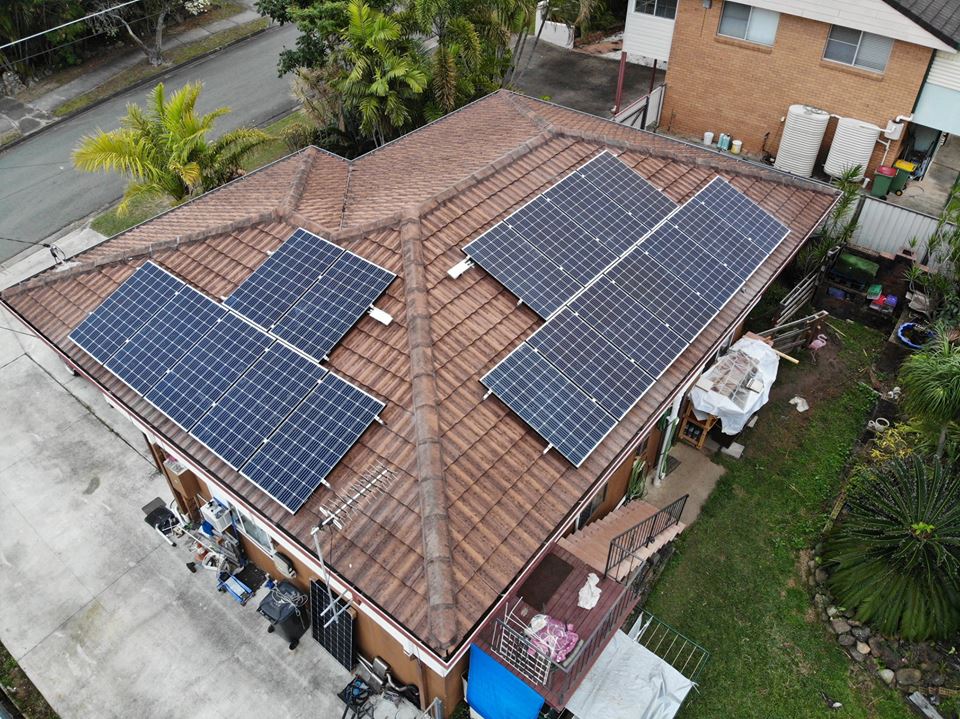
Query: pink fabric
(555, 640)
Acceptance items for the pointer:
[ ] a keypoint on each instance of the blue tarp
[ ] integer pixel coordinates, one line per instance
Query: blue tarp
(494, 692)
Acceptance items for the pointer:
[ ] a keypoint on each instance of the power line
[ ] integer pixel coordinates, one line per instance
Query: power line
(67, 24)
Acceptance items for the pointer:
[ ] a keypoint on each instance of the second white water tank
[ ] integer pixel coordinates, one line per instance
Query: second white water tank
(853, 144)
(801, 140)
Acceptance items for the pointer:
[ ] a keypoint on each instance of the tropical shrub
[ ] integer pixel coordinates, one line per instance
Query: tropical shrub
(930, 380)
(895, 556)
(164, 149)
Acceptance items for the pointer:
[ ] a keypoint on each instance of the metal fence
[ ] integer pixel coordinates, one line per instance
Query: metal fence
(680, 652)
(643, 113)
(883, 227)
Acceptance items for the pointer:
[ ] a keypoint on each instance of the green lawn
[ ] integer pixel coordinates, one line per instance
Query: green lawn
(735, 584)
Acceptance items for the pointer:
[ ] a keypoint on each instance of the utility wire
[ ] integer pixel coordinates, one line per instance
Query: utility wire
(67, 24)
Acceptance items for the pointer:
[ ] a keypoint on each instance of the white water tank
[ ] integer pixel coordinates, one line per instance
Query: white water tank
(853, 144)
(801, 140)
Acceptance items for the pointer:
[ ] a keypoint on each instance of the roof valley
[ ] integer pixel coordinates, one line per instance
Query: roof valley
(437, 556)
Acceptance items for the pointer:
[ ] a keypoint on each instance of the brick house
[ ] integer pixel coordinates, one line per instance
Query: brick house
(480, 502)
(736, 67)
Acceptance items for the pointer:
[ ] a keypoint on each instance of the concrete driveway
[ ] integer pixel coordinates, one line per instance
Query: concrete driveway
(103, 615)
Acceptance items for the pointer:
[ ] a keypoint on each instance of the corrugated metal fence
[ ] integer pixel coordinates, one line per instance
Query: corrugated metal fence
(884, 227)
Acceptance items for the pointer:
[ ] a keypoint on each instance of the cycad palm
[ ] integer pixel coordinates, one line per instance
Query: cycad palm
(896, 555)
(164, 149)
(383, 74)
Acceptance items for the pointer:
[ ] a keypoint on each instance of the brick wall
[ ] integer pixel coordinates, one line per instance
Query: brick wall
(724, 85)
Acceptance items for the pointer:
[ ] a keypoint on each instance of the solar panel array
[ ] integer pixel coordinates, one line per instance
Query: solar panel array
(266, 409)
(310, 292)
(550, 248)
(600, 351)
(339, 637)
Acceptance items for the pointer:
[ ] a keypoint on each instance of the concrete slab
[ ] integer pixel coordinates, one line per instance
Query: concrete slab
(930, 194)
(696, 476)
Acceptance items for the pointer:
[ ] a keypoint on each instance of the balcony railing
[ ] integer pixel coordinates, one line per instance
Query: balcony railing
(625, 547)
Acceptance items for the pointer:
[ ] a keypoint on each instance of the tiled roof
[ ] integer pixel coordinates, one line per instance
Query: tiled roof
(938, 17)
(476, 497)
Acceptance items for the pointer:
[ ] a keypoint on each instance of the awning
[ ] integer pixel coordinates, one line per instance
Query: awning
(629, 682)
(494, 692)
(737, 385)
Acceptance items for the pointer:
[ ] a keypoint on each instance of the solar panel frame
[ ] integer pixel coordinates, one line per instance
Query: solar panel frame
(214, 364)
(548, 229)
(332, 306)
(588, 360)
(338, 638)
(596, 212)
(276, 285)
(165, 338)
(526, 272)
(300, 454)
(731, 247)
(719, 193)
(130, 306)
(257, 404)
(647, 204)
(559, 411)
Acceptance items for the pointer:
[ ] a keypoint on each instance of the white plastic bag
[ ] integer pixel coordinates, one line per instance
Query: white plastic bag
(589, 592)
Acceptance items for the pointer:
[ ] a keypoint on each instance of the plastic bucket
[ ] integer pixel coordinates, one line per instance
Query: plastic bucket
(708, 138)
(736, 146)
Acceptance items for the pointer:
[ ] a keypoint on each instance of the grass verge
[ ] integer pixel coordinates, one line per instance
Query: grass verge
(9, 136)
(15, 683)
(144, 71)
(276, 148)
(735, 585)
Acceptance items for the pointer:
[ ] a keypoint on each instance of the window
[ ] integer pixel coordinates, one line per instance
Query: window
(660, 8)
(592, 508)
(749, 23)
(860, 49)
(254, 531)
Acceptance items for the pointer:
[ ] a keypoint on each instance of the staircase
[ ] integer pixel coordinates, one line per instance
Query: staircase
(592, 543)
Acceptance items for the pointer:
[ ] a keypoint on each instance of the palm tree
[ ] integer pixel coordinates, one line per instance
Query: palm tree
(383, 76)
(931, 386)
(164, 149)
(895, 556)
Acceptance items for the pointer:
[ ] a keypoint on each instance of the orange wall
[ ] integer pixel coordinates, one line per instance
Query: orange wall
(720, 84)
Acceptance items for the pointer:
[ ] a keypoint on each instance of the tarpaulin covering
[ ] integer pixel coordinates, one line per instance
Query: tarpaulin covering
(629, 682)
(737, 385)
(494, 692)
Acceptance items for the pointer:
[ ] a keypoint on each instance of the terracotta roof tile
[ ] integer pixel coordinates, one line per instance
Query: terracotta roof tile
(454, 178)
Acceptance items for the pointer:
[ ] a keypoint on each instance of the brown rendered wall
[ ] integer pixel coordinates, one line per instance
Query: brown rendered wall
(720, 84)
(373, 641)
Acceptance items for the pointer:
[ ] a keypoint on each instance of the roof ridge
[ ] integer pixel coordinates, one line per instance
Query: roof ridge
(431, 485)
(51, 275)
(299, 184)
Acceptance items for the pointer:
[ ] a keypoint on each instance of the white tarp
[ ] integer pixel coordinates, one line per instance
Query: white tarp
(743, 394)
(629, 682)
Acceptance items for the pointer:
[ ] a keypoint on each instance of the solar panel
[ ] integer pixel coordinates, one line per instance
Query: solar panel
(743, 214)
(338, 638)
(591, 362)
(297, 458)
(660, 290)
(165, 338)
(550, 403)
(625, 187)
(731, 247)
(522, 269)
(691, 264)
(327, 311)
(125, 311)
(255, 406)
(190, 387)
(629, 325)
(543, 225)
(274, 286)
(596, 212)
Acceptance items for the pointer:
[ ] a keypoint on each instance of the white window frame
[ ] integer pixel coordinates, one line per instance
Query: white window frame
(656, 5)
(856, 52)
(746, 37)
(242, 518)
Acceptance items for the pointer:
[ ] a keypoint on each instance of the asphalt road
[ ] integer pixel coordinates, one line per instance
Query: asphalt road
(40, 192)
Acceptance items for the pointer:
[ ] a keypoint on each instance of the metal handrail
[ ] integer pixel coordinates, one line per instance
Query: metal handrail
(626, 544)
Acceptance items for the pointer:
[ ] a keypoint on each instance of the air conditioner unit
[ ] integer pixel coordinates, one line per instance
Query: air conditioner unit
(216, 515)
